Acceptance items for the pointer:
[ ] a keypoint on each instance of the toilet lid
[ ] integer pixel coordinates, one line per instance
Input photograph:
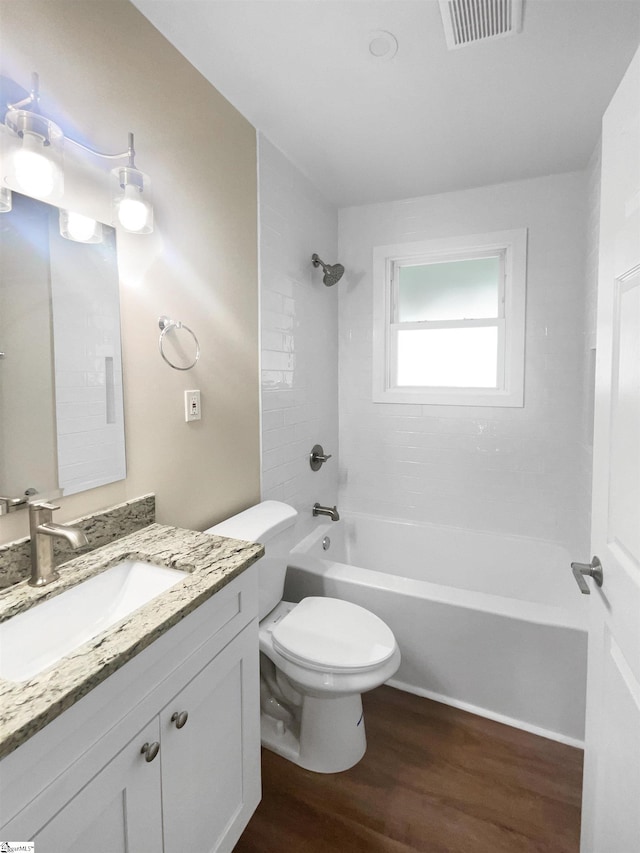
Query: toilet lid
(327, 633)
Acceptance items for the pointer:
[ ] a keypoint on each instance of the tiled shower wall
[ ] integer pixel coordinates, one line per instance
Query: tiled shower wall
(299, 330)
(522, 471)
(505, 470)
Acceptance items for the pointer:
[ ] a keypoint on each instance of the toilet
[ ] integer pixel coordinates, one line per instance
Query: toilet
(316, 657)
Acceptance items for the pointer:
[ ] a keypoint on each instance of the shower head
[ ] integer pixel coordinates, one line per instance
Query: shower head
(332, 272)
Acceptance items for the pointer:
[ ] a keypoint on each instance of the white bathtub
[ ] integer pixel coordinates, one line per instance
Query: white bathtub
(492, 624)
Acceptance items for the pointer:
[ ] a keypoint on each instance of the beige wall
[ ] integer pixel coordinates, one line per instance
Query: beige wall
(109, 71)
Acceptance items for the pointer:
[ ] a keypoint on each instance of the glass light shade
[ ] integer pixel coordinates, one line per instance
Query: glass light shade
(132, 209)
(37, 163)
(6, 202)
(80, 228)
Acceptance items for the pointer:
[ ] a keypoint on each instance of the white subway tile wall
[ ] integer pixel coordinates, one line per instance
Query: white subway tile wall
(299, 336)
(519, 471)
(523, 471)
(88, 363)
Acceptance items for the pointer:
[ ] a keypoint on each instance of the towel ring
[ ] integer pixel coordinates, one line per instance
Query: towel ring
(166, 325)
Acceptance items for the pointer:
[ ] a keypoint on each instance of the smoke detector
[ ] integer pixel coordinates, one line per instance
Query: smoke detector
(468, 21)
(382, 45)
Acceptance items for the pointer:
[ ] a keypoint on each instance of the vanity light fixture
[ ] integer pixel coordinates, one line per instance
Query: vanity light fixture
(38, 172)
(130, 192)
(37, 164)
(80, 228)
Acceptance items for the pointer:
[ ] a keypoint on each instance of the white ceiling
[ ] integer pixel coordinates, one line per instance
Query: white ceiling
(429, 120)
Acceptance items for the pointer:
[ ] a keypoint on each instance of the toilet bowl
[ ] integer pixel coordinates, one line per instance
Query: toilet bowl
(326, 653)
(316, 657)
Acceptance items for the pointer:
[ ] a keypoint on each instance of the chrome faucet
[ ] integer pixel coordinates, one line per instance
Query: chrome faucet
(332, 512)
(10, 504)
(43, 531)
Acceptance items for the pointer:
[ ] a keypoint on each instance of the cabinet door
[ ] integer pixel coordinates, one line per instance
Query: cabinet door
(117, 812)
(211, 764)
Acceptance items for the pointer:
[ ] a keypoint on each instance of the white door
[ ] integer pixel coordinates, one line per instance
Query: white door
(611, 799)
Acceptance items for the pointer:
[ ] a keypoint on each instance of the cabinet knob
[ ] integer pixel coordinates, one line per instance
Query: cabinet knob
(180, 718)
(150, 750)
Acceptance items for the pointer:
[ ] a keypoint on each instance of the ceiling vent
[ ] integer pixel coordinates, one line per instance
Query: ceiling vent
(467, 21)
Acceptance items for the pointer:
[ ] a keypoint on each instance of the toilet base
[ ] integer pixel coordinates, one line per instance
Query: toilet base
(328, 738)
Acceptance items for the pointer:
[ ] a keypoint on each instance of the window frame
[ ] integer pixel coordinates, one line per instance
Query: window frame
(511, 247)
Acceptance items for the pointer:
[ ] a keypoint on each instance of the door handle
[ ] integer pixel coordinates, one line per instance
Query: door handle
(587, 570)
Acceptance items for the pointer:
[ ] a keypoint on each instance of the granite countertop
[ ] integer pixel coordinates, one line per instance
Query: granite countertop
(209, 562)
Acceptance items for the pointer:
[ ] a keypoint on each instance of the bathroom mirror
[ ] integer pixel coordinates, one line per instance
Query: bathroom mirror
(61, 406)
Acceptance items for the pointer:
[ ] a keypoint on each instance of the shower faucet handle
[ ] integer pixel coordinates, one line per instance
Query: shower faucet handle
(318, 457)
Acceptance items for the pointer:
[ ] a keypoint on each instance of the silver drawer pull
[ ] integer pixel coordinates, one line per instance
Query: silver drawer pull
(180, 718)
(150, 750)
(588, 570)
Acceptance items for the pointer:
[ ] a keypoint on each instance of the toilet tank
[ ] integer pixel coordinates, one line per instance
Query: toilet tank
(273, 524)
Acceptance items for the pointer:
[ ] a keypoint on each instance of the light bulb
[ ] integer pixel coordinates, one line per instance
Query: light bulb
(35, 173)
(79, 227)
(133, 212)
(132, 209)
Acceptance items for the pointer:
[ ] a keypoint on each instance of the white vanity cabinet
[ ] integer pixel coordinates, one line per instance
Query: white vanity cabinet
(118, 811)
(205, 771)
(198, 781)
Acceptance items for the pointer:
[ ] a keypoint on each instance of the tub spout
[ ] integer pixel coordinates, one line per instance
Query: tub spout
(332, 512)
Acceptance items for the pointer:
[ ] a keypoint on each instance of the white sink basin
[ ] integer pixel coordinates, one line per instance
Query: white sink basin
(41, 636)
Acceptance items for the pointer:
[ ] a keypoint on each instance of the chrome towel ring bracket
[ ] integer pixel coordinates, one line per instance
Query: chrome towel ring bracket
(186, 354)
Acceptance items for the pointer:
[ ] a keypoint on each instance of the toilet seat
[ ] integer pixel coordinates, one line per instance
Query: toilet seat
(331, 635)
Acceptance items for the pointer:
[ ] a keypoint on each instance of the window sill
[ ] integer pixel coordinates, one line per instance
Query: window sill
(451, 397)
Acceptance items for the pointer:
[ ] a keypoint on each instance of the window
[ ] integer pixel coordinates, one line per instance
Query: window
(449, 321)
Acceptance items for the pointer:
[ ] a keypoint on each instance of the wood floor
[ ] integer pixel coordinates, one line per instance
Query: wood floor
(433, 779)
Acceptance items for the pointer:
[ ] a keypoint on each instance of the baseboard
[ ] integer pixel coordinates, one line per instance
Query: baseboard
(483, 712)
